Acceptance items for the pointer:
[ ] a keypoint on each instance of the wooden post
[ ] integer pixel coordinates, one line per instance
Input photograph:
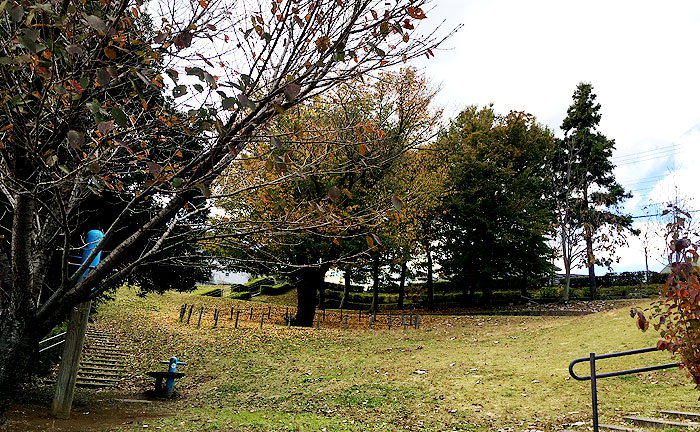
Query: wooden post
(216, 317)
(199, 321)
(370, 321)
(70, 360)
(389, 320)
(236, 325)
(189, 314)
(262, 317)
(251, 314)
(345, 327)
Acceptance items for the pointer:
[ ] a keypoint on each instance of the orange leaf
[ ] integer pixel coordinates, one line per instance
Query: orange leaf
(110, 53)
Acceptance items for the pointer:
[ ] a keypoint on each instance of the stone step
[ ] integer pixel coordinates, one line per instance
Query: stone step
(658, 423)
(619, 428)
(100, 369)
(98, 356)
(97, 380)
(84, 373)
(102, 363)
(86, 384)
(681, 414)
(100, 351)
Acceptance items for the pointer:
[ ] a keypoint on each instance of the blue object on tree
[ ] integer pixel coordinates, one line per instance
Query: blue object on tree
(93, 238)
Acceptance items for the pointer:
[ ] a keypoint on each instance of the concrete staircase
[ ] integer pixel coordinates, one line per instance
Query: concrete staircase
(102, 363)
(667, 420)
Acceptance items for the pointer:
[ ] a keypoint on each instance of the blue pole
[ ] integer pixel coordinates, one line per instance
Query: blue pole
(93, 237)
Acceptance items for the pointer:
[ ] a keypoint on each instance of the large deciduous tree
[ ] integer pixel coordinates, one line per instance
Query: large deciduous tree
(74, 121)
(496, 217)
(328, 162)
(587, 193)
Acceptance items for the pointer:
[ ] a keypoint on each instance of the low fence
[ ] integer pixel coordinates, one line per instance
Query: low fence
(277, 316)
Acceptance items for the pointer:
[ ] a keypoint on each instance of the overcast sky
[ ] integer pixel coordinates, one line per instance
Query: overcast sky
(640, 56)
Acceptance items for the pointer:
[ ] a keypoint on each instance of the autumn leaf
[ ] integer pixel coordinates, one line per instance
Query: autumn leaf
(334, 193)
(110, 53)
(416, 12)
(370, 242)
(96, 23)
(397, 203)
(323, 43)
(76, 86)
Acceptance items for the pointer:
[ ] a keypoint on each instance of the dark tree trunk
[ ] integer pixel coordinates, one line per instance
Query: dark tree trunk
(591, 265)
(346, 289)
(309, 282)
(429, 283)
(402, 285)
(375, 284)
(322, 296)
(523, 287)
(487, 291)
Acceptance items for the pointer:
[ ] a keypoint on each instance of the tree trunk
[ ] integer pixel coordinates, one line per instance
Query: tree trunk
(567, 265)
(523, 287)
(402, 285)
(591, 264)
(346, 290)
(429, 284)
(487, 291)
(375, 284)
(309, 282)
(322, 296)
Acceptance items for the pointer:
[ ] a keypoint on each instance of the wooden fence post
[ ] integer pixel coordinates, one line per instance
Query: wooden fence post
(236, 325)
(201, 310)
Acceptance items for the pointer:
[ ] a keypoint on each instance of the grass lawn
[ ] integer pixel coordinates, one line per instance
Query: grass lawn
(454, 374)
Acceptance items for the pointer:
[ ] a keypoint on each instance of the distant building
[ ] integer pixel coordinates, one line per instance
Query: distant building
(224, 277)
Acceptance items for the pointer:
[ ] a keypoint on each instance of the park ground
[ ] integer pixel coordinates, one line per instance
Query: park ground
(455, 373)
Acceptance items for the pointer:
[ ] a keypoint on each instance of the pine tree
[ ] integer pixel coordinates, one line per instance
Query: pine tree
(588, 191)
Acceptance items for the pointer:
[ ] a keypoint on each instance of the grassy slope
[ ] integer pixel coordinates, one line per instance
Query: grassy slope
(481, 373)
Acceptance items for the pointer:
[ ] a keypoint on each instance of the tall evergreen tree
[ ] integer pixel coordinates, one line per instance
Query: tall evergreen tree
(495, 221)
(588, 192)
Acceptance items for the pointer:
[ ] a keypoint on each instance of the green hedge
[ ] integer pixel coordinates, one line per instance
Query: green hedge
(244, 295)
(280, 288)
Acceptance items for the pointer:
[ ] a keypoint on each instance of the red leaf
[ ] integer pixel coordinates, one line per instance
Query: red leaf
(416, 12)
(76, 86)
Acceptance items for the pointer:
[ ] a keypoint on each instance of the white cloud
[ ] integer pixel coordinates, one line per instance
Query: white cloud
(639, 56)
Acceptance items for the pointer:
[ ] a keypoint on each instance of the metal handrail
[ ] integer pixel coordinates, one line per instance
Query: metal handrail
(594, 376)
(50, 339)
